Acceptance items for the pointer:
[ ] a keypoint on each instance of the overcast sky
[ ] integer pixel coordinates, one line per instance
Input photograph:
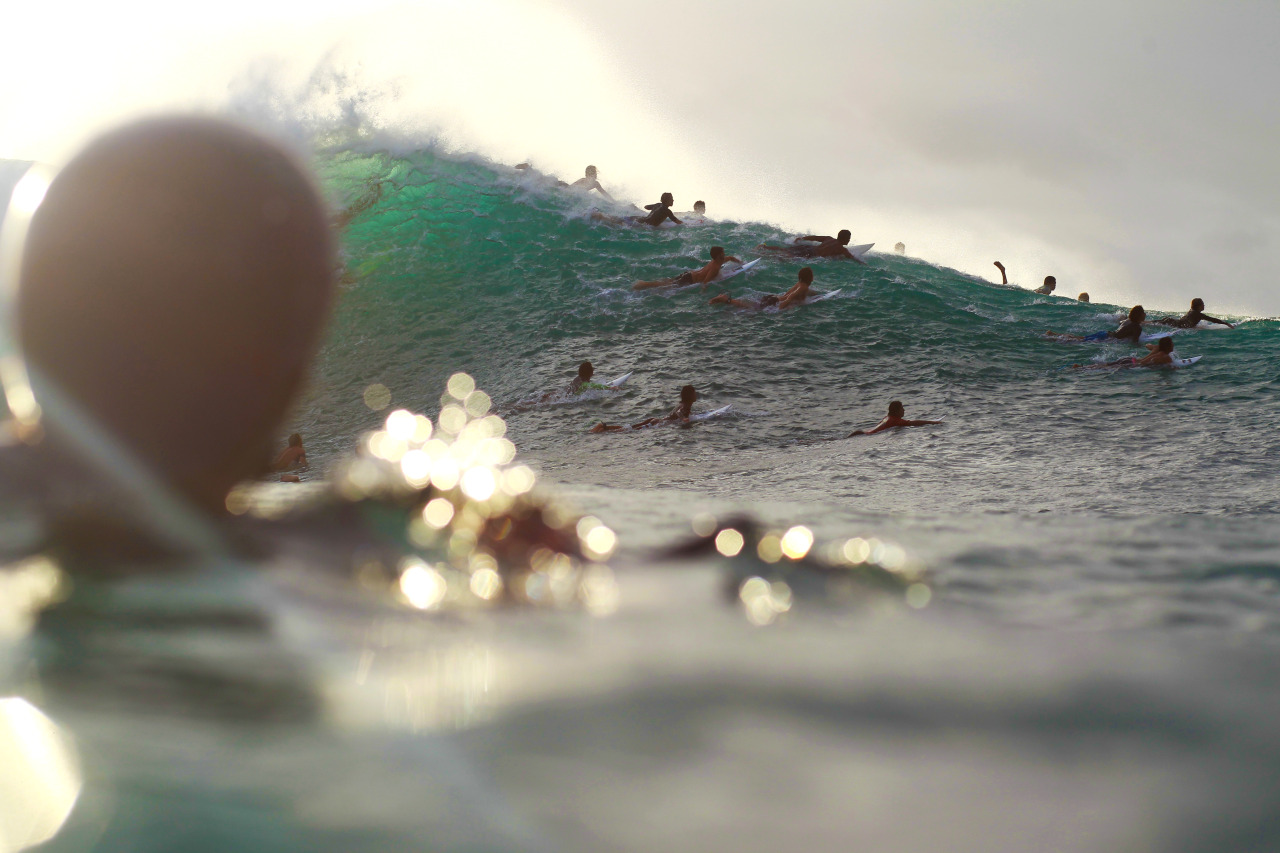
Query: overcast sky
(1130, 149)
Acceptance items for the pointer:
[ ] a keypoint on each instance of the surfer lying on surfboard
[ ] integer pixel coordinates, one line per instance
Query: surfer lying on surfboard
(828, 247)
(582, 382)
(798, 293)
(688, 396)
(701, 276)
(893, 419)
(1159, 357)
(1192, 318)
(1130, 330)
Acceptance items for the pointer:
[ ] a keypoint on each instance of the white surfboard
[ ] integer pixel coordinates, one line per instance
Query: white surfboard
(859, 251)
(715, 413)
(1186, 362)
(747, 267)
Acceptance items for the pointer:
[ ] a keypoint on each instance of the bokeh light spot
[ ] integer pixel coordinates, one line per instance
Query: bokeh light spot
(729, 542)
(377, 396)
(796, 542)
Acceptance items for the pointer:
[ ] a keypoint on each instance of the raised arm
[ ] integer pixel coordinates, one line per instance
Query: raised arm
(1004, 279)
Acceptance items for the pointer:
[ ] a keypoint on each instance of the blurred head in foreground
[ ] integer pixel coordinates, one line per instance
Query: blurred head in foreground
(175, 283)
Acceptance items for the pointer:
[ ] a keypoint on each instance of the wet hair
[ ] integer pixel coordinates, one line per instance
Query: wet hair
(192, 380)
(1137, 311)
(295, 440)
(1166, 344)
(590, 172)
(1084, 297)
(768, 300)
(668, 199)
(1197, 304)
(805, 275)
(688, 394)
(717, 252)
(700, 206)
(896, 409)
(844, 235)
(1050, 281)
(585, 370)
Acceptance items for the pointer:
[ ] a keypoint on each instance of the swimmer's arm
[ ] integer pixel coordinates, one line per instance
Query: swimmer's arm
(918, 423)
(672, 217)
(1219, 322)
(600, 190)
(732, 258)
(1004, 279)
(814, 238)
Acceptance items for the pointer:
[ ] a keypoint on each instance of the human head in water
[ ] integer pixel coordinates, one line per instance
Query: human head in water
(717, 253)
(668, 199)
(844, 236)
(1137, 313)
(688, 396)
(1050, 282)
(585, 371)
(896, 409)
(699, 207)
(1084, 297)
(295, 440)
(591, 172)
(1197, 304)
(805, 275)
(174, 285)
(1166, 344)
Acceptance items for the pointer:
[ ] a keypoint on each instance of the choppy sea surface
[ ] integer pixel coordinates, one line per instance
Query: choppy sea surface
(1093, 667)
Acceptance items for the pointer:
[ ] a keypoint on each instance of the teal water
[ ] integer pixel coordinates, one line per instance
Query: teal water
(1094, 670)
(1093, 499)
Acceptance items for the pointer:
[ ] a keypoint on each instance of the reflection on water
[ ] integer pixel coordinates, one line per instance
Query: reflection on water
(39, 776)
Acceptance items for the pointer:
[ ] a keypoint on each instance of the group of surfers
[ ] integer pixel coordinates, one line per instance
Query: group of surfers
(1130, 329)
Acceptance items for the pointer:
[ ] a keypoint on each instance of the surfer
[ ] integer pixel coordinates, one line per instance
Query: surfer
(585, 372)
(588, 183)
(1192, 318)
(1050, 283)
(681, 413)
(1160, 356)
(1130, 330)
(659, 212)
(892, 420)
(827, 247)
(702, 276)
(799, 291)
(1084, 297)
(293, 456)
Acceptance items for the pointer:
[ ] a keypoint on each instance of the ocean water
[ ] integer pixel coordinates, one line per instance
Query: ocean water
(1091, 666)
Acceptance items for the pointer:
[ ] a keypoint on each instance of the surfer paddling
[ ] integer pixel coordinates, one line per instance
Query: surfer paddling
(703, 276)
(681, 414)
(798, 293)
(588, 182)
(1130, 330)
(1161, 356)
(893, 420)
(1192, 318)
(827, 247)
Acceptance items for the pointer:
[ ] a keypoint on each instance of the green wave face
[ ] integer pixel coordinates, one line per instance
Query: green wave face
(464, 265)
